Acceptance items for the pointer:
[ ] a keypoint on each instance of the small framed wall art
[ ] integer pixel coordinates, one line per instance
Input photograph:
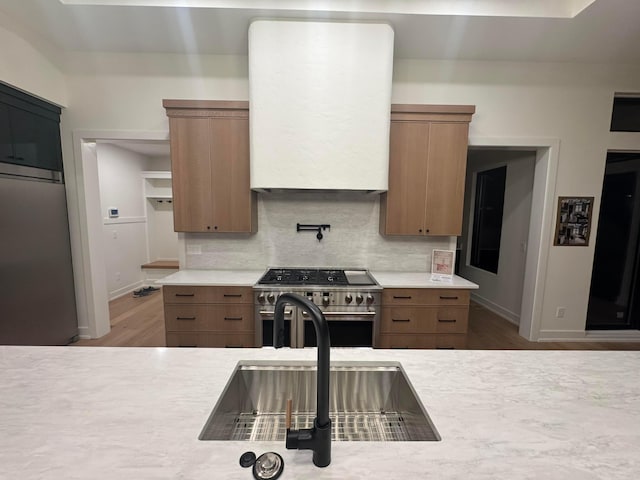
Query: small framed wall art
(442, 265)
(573, 221)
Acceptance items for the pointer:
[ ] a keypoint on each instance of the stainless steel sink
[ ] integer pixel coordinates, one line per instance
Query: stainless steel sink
(370, 401)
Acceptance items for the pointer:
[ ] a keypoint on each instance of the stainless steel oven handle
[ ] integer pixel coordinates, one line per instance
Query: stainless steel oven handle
(344, 314)
(270, 312)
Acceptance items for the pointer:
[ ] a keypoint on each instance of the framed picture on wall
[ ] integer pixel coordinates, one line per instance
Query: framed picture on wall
(573, 221)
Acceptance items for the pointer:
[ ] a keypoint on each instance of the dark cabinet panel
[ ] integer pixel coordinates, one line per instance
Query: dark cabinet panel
(36, 140)
(6, 145)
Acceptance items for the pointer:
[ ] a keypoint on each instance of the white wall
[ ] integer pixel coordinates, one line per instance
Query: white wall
(27, 64)
(501, 292)
(125, 243)
(567, 102)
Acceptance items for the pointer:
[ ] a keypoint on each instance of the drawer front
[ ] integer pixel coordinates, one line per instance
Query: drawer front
(232, 295)
(208, 339)
(190, 318)
(424, 296)
(439, 341)
(186, 294)
(424, 319)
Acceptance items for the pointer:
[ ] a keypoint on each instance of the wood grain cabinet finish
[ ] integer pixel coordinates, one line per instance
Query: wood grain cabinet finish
(427, 168)
(423, 318)
(200, 316)
(210, 166)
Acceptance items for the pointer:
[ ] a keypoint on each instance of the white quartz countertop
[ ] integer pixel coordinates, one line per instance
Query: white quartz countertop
(250, 277)
(418, 280)
(246, 278)
(135, 413)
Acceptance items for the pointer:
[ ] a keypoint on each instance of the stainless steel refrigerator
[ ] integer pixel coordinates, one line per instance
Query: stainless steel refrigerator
(37, 296)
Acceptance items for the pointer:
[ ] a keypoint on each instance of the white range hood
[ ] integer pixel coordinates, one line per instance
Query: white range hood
(320, 99)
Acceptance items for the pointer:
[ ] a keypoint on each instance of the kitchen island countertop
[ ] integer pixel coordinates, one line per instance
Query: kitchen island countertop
(104, 413)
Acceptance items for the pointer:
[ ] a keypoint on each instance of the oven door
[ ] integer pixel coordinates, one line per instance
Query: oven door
(264, 326)
(346, 328)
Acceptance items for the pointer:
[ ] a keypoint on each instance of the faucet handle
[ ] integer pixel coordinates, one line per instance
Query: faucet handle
(288, 414)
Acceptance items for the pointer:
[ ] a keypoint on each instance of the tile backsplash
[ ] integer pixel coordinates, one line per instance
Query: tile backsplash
(352, 241)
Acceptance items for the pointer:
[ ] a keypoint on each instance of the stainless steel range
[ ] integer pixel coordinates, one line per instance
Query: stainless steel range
(348, 298)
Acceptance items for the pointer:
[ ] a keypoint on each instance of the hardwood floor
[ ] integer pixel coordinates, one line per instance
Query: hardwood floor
(139, 322)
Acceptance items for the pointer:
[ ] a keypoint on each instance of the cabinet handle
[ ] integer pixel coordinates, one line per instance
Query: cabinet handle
(286, 312)
(400, 319)
(448, 298)
(232, 295)
(185, 318)
(420, 231)
(188, 346)
(447, 320)
(215, 227)
(233, 346)
(398, 348)
(208, 227)
(401, 297)
(233, 318)
(185, 294)
(445, 348)
(427, 230)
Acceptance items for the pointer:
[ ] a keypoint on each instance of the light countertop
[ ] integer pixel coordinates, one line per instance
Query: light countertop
(418, 280)
(104, 413)
(246, 278)
(250, 277)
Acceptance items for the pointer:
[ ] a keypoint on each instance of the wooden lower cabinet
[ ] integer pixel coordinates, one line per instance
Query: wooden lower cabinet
(199, 316)
(423, 318)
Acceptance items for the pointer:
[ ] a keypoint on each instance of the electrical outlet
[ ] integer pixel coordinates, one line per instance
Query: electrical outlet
(560, 312)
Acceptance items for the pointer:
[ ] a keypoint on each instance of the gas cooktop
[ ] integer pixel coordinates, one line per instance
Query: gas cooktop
(316, 276)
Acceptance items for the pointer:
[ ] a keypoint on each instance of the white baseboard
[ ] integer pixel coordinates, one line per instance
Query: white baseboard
(125, 290)
(83, 333)
(497, 309)
(589, 336)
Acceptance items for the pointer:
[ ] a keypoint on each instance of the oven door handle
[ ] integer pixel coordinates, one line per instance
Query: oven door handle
(344, 314)
(270, 312)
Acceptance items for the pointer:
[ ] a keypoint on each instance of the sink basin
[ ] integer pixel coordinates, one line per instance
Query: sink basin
(369, 401)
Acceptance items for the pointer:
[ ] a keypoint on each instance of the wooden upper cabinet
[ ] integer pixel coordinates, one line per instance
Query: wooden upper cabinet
(427, 166)
(210, 166)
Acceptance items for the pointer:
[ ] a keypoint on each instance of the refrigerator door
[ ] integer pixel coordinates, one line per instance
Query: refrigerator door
(37, 296)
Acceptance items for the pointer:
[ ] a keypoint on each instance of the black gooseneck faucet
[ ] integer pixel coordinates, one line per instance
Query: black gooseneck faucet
(317, 438)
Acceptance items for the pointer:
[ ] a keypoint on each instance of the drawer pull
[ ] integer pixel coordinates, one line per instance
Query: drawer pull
(400, 319)
(399, 348)
(185, 294)
(445, 348)
(447, 320)
(188, 346)
(234, 346)
(232, 295)
(185, 318)
(403, 297)
(442, 297)
(233, 318)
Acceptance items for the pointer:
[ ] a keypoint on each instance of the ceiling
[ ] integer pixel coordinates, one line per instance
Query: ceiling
(606, 31)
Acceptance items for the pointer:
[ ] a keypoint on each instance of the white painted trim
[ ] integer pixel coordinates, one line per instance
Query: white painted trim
(83, 333)
(589, 336)
(121, 292)
(116, 221)
(505, 313)
(163, 175)
(540, 228)
(91, 227)
(624, 141)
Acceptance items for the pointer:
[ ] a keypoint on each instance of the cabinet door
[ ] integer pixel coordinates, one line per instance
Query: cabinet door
(191, 172)
(6, 145)
(445, 178)
(406, 198)
(230, 186)
(36, 140)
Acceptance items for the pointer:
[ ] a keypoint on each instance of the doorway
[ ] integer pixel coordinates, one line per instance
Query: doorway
(614, 298)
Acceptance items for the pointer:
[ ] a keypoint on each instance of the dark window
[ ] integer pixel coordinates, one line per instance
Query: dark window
(626, 114)
(487, 219)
